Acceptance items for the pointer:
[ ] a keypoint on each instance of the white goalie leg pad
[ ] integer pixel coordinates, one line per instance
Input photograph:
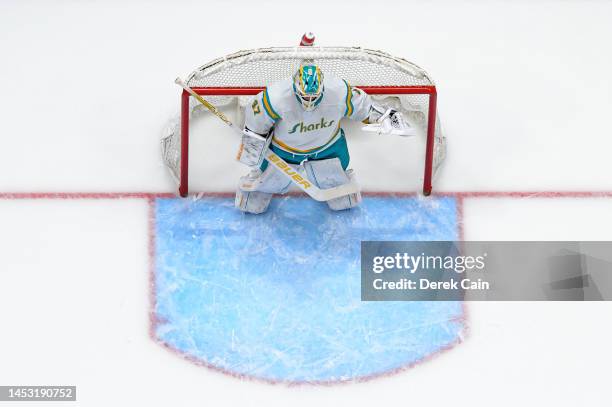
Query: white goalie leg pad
(328, 174)
(266, 183)
(252, 201)
(271, 181)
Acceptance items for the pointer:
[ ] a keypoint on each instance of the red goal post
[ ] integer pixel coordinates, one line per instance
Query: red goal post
(403, 84)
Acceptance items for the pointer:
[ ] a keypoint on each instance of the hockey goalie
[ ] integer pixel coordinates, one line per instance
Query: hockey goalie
(299, 119)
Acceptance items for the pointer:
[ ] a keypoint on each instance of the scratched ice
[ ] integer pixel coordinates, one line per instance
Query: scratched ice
(277, 296)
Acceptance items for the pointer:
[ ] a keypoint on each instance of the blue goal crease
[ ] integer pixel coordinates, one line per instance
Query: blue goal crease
(277, 296)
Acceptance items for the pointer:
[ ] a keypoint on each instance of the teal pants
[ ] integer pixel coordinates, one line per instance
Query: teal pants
(337, 150)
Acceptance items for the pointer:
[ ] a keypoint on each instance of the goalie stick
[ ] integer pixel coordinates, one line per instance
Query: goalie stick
(281, 165)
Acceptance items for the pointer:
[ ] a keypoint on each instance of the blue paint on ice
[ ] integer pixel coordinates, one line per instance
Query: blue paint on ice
(277, 296)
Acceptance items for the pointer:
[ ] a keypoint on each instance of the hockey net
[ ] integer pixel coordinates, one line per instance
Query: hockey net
(236, 78)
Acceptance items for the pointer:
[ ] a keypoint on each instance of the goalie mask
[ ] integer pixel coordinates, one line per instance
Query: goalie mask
(308, 86)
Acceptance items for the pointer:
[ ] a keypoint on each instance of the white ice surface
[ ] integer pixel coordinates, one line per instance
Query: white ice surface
(545, 352)
(525, 92)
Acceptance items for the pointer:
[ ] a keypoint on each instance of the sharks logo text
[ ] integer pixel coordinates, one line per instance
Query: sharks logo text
(310, 127)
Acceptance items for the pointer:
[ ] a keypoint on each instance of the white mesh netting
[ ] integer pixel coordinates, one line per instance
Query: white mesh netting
(261, 67)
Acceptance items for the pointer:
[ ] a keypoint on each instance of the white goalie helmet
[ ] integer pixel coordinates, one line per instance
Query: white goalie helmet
(308, 86)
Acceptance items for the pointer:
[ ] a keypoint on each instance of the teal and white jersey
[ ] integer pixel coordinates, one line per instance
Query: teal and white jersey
(306, 132)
